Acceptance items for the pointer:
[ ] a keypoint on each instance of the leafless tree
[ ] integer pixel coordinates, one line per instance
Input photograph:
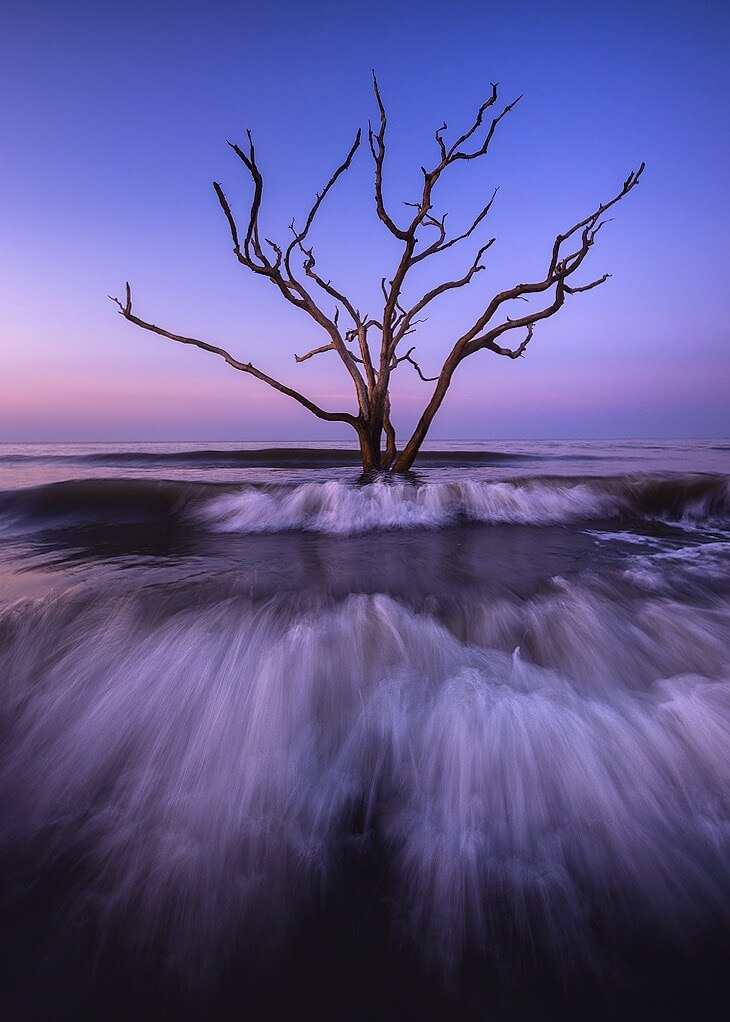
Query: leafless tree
(371, 349)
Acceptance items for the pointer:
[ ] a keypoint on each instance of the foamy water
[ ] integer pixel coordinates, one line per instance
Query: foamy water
(339, 508)
(207, 765)
(472, 733)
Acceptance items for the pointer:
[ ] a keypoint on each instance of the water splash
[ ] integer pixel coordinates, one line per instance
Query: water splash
(207, 765)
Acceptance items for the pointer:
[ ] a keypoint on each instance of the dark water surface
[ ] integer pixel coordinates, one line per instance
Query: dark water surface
(276, 740)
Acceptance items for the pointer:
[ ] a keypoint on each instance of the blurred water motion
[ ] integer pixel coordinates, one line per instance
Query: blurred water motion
(439, 748)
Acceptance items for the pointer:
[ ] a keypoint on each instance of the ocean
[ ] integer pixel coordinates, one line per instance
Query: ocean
(277, 739)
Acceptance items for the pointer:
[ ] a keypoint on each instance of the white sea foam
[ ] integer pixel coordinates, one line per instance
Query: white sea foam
(339, 508)
(663, 570)
(632, 538)
(205, 768)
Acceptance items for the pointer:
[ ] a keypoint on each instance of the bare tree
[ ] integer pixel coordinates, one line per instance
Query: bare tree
(371, 349)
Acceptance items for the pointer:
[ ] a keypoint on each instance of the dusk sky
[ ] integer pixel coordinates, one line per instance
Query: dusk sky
(114, 121)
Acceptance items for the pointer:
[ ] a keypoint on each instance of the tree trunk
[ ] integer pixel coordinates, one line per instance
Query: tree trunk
(407, 456)
(369, 451)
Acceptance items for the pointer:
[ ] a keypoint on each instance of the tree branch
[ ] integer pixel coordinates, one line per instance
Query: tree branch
(326, 285)
(299, 236)
(253, 257)
(586, 287)
(394, 327)
(454, 153)
(408, 319)
(513, 352)
(559, 269)
(252, 233)
(314, 351)
(441, 245)
(377, 148)
(489, 102)
(407, 358)
(125, 309)
(482, 150)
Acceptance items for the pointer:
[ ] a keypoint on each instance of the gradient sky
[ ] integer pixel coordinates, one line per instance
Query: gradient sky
(114, 120)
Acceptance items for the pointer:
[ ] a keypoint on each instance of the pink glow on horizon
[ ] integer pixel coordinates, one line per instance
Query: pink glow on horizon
(137, 134)
(523, 401)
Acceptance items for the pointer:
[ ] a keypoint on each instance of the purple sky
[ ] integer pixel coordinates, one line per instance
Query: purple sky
(114, 121)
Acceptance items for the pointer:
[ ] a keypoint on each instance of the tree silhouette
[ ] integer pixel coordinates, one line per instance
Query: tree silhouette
(372, 349)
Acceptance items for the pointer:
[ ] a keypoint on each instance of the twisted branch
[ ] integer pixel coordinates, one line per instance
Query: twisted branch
(560, 268)
(125, 309)
(280, 271)
(407, 358)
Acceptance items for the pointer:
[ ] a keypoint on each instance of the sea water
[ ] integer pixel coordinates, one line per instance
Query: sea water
(275, 736)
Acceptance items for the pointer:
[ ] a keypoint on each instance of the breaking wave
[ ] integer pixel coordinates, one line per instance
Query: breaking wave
(339, 508)
(344, 508)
